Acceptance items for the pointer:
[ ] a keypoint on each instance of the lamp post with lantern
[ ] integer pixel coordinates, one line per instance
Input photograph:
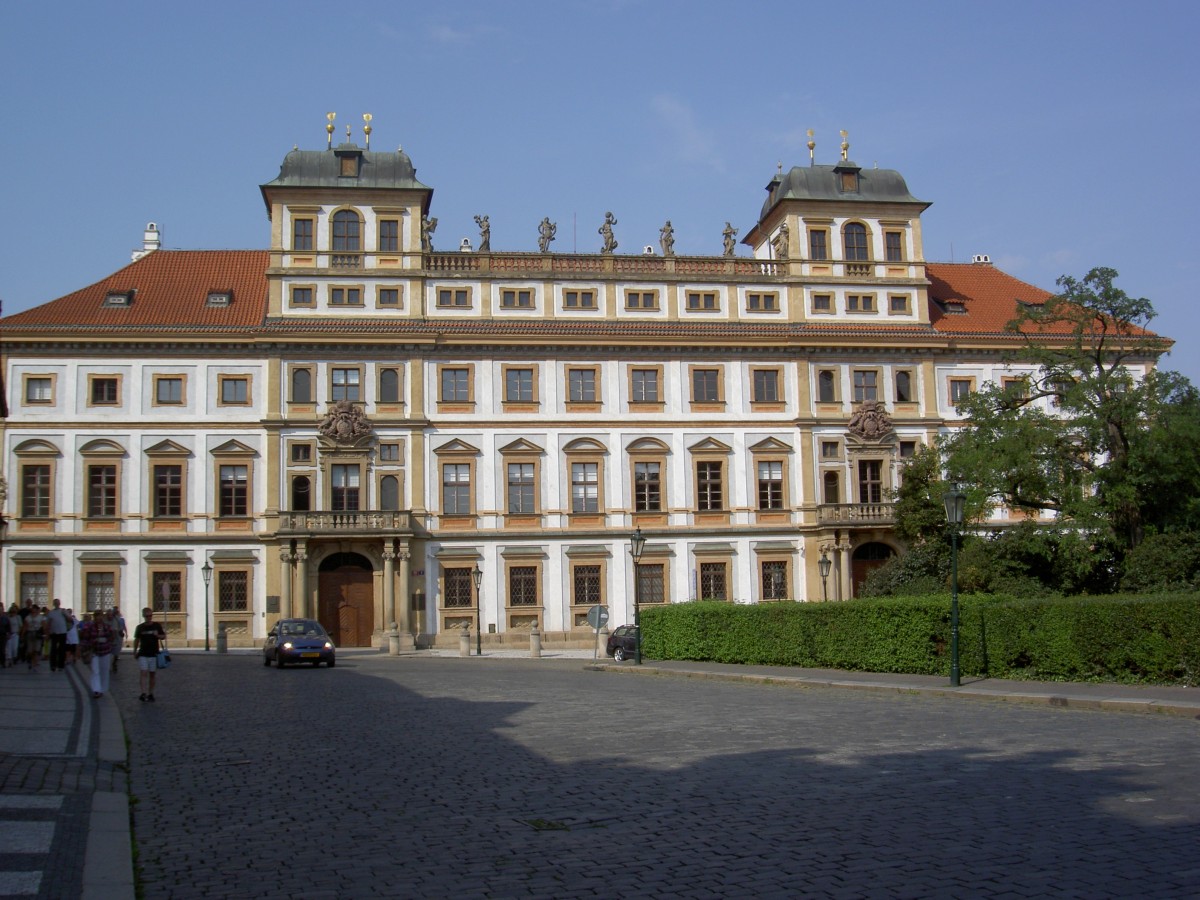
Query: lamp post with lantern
(477, 576)
(206, 570)
(955, 500)
(824, 564)
(637, 543)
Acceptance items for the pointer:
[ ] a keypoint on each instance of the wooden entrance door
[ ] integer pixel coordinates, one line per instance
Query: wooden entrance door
(346, 606)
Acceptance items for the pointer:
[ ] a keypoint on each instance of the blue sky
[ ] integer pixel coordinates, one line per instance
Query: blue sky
(1054, 136)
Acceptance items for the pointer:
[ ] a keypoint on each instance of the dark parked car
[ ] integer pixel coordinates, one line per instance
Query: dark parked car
(622, 643)
(298, 640)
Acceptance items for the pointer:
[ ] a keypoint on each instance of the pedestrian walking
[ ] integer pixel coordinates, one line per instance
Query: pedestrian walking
(57, 625)
(12, 645)
(148, 638)
(34, 630)
(72, 637)
(97, 639)
(117, 622)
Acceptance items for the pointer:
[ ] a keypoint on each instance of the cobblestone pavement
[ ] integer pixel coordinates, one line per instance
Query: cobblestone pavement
(397, 777)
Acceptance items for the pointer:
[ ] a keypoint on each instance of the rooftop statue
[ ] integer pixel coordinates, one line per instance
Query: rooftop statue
(729, 234)
(428, 227)
(485, 234)
(606, 231)
(666, 239)
(546, 232)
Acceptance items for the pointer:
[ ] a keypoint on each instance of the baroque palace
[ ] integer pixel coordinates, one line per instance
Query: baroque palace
(357, 427)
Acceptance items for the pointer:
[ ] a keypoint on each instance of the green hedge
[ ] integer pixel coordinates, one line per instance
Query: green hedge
(1155, 639)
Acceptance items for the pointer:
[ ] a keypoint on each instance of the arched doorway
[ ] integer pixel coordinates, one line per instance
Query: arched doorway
(866, 558)
(346, 599)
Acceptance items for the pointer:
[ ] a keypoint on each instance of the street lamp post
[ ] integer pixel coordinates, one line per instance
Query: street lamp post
(637, 543)
(477, 575)
(823, 566)
(955, 500)
(206, 571)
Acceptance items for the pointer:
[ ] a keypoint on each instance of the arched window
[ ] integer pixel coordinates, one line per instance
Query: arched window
(300, 494)
(855, 237)
(347, 232)
(301, 386)
(389, 385)
(389, 493)
(831, 488)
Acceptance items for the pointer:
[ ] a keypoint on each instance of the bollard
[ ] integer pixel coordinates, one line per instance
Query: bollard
(222, 639)
(464, 642)
(535, 642)
(393, 637)
(601, 648)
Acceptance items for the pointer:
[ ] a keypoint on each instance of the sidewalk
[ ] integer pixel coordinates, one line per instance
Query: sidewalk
(63, 783)
(64, 805)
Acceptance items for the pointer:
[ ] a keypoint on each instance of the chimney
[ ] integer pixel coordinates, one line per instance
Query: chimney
(151, 241)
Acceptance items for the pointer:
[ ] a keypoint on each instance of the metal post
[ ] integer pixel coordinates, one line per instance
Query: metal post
(206, 570)
(823, 566)
(954, 607)
(637, 544)
(478, 576)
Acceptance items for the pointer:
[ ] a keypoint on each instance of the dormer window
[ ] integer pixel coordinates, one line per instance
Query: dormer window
(219, 298)
(849, 182)
(118, 298)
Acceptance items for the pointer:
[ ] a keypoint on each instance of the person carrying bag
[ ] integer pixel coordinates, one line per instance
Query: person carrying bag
(150, 647)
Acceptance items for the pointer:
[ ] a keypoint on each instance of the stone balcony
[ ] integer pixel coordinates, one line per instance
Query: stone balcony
(851, 514)
(346, 523)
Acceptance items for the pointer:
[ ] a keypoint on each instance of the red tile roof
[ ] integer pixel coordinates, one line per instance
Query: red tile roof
(990, 298)
(171, 291)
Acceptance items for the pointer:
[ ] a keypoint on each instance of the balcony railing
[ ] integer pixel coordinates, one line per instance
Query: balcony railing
(347, 522)
(857, 513)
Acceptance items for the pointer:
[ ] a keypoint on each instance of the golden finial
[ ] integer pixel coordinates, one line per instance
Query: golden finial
(329, 129)
(347, 134)
(367, 128)
(812, 145)
(845, 146)
(779, 166)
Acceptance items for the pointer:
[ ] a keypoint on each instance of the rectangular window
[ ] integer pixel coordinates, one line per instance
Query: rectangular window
(166, 592)
(866, 386)
(822, 303)
(898, 304)
(652, 583)
(522, 586)
(345, 384)
(643, 386)
(102, 491)
(101, 590)
(585, 487)
(579, 299)
(35, 588)
(456, 489)
(233, 591)
(168, 391)
(516, 299)
(345, 296)
(459, 298)
(302, 296)
(774, 579)
(585, 583)
(234, 491)
(766, 386)
(893, 246)
(39, 390)
(818, 244)
(860, 303)
(389, 297)
(908, 449)
(904, 387)
(389, 453)
(168, 490)
(458, 588)
(713, 582)
(710, 486)
(105, 391)
(518, 385)
(1015, 387)
(235, 391)
(831, 450)
(389, 235)
(302, 234)
(35, 491)
(522, 489)
(704, 301)
(647, 487)
(706, 385)
(827, 386)
(770, 484)
(456, 385)
(870, 481)
(762, 302)
(344, 488)
(301, 453)
(960, 390)
(581, 385)
(641, 299)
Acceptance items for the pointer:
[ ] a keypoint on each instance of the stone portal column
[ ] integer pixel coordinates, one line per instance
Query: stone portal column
(304, 602)
(389, 588)
(285, 584)
(847, 590)
(405, 615)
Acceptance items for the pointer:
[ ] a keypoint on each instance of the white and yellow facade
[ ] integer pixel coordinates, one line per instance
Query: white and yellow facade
(349, 424)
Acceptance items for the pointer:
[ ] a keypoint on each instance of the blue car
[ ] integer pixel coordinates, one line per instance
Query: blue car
(298, 641)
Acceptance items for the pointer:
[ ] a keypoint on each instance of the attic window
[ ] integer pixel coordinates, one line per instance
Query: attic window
(955, 306)
(219, 298)
(849, 182)
(118, 298)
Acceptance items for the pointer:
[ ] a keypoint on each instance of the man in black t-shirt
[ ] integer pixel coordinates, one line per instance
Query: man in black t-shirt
(146, 639)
